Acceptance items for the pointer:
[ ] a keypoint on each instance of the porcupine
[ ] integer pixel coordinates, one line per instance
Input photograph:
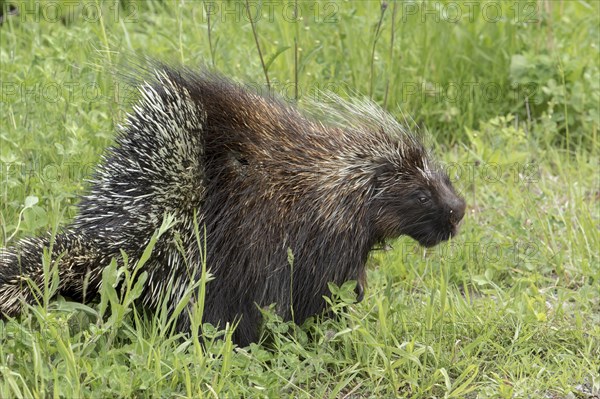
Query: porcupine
(262, 179)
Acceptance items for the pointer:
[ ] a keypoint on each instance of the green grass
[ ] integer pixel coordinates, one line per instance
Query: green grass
(509, 309)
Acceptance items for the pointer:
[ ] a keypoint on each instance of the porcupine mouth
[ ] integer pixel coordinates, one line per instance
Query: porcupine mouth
(432, 239)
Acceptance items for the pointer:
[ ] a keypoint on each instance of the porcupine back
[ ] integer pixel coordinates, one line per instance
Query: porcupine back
(262, 179)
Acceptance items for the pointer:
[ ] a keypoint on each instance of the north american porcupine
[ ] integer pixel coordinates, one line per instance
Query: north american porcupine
(262, 179)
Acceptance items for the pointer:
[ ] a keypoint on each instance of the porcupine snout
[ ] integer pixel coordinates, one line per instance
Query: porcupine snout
(456, 212)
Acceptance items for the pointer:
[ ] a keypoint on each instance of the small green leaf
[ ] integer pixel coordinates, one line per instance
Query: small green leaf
(31, 201)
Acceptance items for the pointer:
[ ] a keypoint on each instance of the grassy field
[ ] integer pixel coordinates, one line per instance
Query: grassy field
(508, 93)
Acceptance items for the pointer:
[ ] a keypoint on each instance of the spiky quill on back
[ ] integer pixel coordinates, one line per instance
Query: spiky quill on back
(262, 179)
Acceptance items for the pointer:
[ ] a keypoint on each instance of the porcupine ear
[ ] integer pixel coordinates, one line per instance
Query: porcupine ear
(383, 168)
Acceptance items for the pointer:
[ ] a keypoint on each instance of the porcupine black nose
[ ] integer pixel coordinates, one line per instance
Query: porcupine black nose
(457, 210)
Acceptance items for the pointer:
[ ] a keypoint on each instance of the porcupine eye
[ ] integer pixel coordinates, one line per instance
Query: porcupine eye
(422, 197)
